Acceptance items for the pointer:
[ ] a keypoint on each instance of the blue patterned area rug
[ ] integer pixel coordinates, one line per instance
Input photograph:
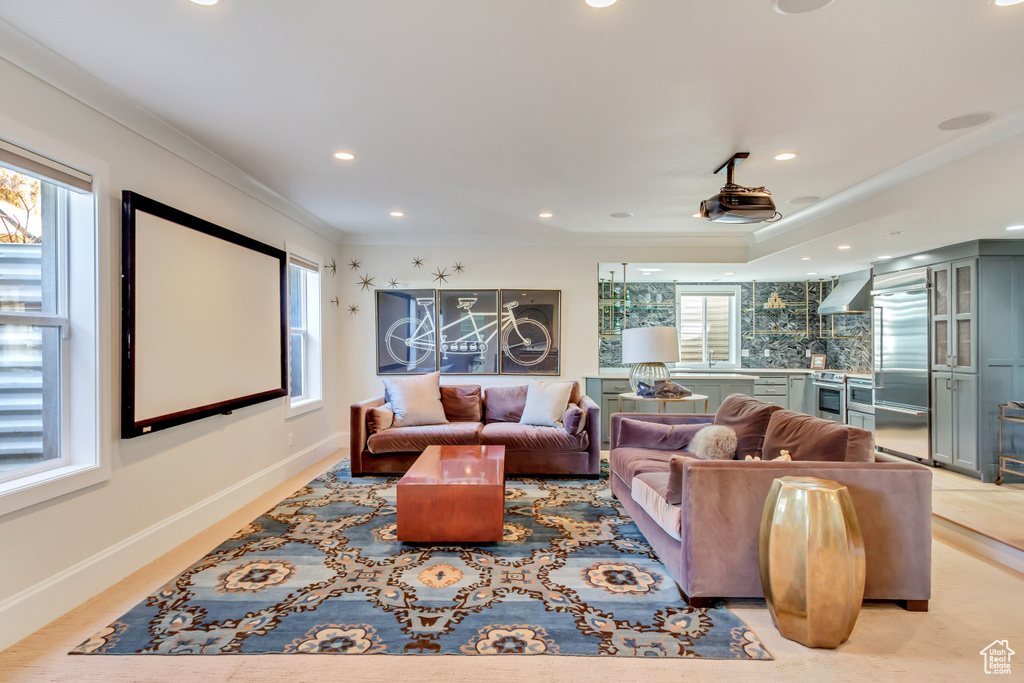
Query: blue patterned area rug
(323, 573)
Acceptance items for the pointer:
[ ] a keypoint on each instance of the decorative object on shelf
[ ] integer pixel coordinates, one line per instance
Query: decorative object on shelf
(467, 324)
(406, 344)
(393, 283)
(530, 331)
(811, 556)
(818, 361)
(366, 282)
(417, 263)
(332, 266)
(353, 309)
(353, 264)
(647, 349)
(441, 275)
(774, 301)
(458, 267)
(336, 301)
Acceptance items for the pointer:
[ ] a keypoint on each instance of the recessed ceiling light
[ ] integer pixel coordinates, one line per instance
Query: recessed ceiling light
(799, 6)
(206, 2)
(843, 246)
(809, 199)
(894, 232)
(397, 214)
(785, 156)
(728, 273)
(965, 121)
(546, 214)
(601, 4)
(884, 258)
(1006, 3)
(621, 214)
(805, 258)
(344, 156)
(812, 273)
(919, 257)
(651, 270)
(1016, 227)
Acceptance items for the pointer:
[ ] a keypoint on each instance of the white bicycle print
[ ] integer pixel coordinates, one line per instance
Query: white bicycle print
(412, 340)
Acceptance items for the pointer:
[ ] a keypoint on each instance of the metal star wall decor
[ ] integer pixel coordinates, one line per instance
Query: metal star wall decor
(353, 309)
(366, 283)
(393, 283)
(333, 267)
(335, 301)
(441, 275)
(459, 267)
(417, 263)
(353, 264)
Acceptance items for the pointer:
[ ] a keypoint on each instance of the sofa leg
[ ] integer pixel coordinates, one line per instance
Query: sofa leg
(913, 605)
(697, 603)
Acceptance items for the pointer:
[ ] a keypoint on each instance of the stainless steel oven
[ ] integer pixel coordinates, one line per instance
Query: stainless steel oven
(829, 395)
(860, 395)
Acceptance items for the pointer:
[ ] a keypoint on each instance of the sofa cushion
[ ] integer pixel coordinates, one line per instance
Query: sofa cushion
(545, 403)
(574, 420)
(380, 418)
(812, 438)
(462, 403)
(748, 417)
(412, 439)
(505, 404)
(674, 487)
(415, 400)
(527, 438)
(656, 435)
(629, 462)
(649, 491)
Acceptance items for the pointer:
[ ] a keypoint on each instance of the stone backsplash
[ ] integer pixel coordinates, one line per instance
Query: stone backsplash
(653, 304)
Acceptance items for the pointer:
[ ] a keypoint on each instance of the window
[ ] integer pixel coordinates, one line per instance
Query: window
(708, 326)
(304, 323)
(49, 414)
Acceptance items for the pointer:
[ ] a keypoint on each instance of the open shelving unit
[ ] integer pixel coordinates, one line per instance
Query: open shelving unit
(789, 306)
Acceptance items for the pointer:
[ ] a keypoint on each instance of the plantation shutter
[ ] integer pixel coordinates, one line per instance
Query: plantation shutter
(718, 326)
(691, 329)
(704, 327)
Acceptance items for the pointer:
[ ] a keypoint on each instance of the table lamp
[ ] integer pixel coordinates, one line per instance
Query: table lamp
(647, 349)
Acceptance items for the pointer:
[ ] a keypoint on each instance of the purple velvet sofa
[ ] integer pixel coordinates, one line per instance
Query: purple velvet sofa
(702, 517)
(482, 417)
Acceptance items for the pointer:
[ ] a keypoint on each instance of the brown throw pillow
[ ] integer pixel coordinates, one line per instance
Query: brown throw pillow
(574, 420)
(655, 435)
(675, 479)
(380, 418)
(748, 417)
(462, 403)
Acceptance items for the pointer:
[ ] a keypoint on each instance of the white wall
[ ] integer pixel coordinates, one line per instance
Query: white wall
(168, 485)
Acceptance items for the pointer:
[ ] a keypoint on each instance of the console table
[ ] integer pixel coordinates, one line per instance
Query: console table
(631, 396)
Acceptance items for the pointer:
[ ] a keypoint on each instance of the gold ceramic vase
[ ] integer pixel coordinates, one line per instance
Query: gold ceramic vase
(811, 555)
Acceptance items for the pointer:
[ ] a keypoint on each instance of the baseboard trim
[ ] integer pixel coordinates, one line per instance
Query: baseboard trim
(962, 538)
(38, 605)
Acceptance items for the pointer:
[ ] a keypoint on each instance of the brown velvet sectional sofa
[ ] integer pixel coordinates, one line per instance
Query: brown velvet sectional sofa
(482, 416)
(702, 517)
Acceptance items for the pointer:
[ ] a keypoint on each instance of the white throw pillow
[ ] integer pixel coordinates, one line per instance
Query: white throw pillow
(546, 403)
(416, 400)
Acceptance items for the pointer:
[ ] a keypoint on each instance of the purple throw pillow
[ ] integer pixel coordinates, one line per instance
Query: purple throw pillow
(574, 419)
(655, 435)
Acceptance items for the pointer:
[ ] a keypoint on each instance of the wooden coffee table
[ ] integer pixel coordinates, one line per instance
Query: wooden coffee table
(453, 494)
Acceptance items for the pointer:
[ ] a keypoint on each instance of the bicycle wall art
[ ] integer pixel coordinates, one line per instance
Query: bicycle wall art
(466, 332)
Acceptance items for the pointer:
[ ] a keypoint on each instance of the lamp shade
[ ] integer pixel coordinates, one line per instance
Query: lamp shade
(650, 345)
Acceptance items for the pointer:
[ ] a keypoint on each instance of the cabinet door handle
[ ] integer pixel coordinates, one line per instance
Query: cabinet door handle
(948, 383)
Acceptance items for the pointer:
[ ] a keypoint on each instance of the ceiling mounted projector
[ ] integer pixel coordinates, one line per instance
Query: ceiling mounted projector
(738, 204)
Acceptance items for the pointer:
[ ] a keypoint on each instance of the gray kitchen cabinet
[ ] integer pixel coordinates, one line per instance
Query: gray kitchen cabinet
(955, 419)
(773, 389)
(797, 400)
(861, 420)
(954, 319)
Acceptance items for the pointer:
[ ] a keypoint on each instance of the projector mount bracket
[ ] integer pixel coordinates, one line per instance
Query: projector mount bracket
(730, 166)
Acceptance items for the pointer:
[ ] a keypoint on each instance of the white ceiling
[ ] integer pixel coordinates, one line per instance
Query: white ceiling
(472, 116)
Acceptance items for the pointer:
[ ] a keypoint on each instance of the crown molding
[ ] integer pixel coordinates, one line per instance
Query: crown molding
(31, 56)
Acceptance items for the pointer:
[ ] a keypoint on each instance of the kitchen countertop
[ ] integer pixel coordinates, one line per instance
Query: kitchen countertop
(735, 373)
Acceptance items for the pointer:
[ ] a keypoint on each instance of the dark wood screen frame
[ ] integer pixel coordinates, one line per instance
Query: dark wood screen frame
(130, 427)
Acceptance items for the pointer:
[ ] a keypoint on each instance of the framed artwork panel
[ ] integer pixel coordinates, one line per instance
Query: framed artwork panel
(406, 331)
(467, 331)
(530, 338)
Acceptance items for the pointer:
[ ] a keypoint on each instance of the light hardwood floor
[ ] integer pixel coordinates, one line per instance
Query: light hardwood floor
(974, 602)
(993, 511)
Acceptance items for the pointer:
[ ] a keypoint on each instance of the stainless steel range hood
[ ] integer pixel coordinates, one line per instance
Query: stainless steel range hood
(852, 294)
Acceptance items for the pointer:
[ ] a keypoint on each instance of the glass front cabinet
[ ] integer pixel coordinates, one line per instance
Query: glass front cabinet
(954, 316)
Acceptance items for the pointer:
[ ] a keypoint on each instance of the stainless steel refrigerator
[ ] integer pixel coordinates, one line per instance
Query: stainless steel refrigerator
(901, 367)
